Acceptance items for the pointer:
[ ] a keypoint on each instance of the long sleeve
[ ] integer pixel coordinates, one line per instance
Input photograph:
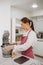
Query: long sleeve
(30, 42)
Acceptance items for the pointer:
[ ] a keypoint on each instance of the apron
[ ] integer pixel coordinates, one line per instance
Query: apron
(29, 51)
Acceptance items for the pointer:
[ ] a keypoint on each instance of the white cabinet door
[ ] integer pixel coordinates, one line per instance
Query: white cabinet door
(39, 48)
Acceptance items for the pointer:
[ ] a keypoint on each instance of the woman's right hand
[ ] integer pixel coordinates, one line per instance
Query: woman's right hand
(9, 47)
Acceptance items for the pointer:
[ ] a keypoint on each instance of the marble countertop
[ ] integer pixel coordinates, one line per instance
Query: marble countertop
(10, 61)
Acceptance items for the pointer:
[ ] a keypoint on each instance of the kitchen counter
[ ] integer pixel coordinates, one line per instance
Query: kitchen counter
(10, 61)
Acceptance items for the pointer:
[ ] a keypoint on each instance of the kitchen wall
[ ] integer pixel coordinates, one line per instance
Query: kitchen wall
(38, 23)
(36, 13)
(19, 13)
(4, 18)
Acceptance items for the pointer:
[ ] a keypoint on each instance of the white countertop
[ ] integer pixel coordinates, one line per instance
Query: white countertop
(10, 61)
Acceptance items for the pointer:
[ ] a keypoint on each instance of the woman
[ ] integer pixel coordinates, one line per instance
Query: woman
(28, 40)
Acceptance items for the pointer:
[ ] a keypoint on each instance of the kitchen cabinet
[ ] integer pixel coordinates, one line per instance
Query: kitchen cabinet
(39, 47)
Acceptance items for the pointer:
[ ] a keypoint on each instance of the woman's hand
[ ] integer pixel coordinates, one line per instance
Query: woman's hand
(9, 47)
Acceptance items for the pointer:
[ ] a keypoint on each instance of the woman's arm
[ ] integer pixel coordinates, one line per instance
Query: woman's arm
(30, 42)
(9, 47)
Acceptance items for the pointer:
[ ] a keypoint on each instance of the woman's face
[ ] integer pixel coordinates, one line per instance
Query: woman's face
(25, 25)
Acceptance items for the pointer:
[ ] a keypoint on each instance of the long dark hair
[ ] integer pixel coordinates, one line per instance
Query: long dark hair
(31, 25)
(26, 20)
